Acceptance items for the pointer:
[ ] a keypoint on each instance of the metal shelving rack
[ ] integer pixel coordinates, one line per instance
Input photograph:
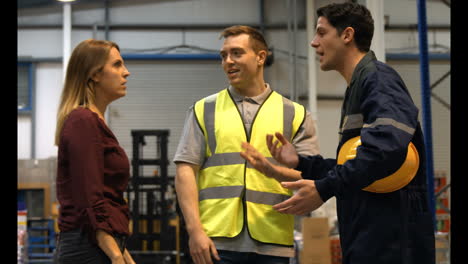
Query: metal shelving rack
(150, 207)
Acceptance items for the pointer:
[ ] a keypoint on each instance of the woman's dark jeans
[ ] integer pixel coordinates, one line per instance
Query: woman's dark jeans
(74, 247)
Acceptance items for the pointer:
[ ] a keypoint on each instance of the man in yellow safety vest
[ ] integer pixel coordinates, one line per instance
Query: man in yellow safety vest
(227, 205)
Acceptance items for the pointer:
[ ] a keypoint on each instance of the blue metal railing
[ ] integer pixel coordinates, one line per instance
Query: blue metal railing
(426, 103)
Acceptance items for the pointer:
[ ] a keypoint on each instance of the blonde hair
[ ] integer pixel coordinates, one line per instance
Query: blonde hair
(87, 59)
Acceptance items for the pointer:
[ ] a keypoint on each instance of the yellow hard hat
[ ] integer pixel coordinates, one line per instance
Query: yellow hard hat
(391, 183)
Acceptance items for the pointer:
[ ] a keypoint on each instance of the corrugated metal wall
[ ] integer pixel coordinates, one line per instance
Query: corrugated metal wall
(158, 97)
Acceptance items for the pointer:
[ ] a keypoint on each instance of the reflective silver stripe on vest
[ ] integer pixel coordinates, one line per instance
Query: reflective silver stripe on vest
(264, 197)
(225, 192)
(288, 118)
(220, 159)
(391, 122)
(270, 159)
(232, 158)
(209, 118)
(221, 192)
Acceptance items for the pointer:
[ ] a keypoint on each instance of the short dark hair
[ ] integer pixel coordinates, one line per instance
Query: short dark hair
(353, 15)
(258, 41)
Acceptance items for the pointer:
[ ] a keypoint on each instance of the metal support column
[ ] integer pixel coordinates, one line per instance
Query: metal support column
(292, 35)
(312, 64)
(426, 103)
(66, 36)
(376, 7)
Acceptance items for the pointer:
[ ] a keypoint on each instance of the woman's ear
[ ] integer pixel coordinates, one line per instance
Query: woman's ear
(95, 77)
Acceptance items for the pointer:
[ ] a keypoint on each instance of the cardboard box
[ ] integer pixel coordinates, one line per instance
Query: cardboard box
(316, 241)
(442, 247)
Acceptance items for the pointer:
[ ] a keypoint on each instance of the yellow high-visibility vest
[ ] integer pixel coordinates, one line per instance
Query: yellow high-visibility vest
(231, 193)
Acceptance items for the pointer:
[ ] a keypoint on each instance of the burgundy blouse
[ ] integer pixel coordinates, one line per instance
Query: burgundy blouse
(92, 173)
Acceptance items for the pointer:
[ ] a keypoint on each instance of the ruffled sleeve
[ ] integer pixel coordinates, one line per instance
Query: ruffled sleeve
(94, 218)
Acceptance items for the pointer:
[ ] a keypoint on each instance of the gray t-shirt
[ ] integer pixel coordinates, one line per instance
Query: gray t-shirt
(191, 149)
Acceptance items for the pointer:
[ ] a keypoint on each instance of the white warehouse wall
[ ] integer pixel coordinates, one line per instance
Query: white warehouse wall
(46, 108)
(24, 137)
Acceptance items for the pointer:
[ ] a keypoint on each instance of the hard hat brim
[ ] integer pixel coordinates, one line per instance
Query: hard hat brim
(391, 183)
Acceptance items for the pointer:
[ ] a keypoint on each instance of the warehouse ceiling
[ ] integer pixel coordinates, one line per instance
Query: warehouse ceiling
(46, 3)
(51, 3)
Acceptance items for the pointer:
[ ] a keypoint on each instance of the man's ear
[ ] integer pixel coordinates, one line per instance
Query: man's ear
(261, 57)
(348, 35)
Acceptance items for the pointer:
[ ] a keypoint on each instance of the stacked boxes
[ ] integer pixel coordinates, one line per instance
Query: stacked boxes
(335, 247)
(442, 202)
(442, 218)
(22, 235)
(442, 248)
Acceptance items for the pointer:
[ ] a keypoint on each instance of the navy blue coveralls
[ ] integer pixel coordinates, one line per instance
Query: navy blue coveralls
(384, 228)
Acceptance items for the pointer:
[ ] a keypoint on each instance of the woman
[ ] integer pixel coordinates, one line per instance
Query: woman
(93, 170)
